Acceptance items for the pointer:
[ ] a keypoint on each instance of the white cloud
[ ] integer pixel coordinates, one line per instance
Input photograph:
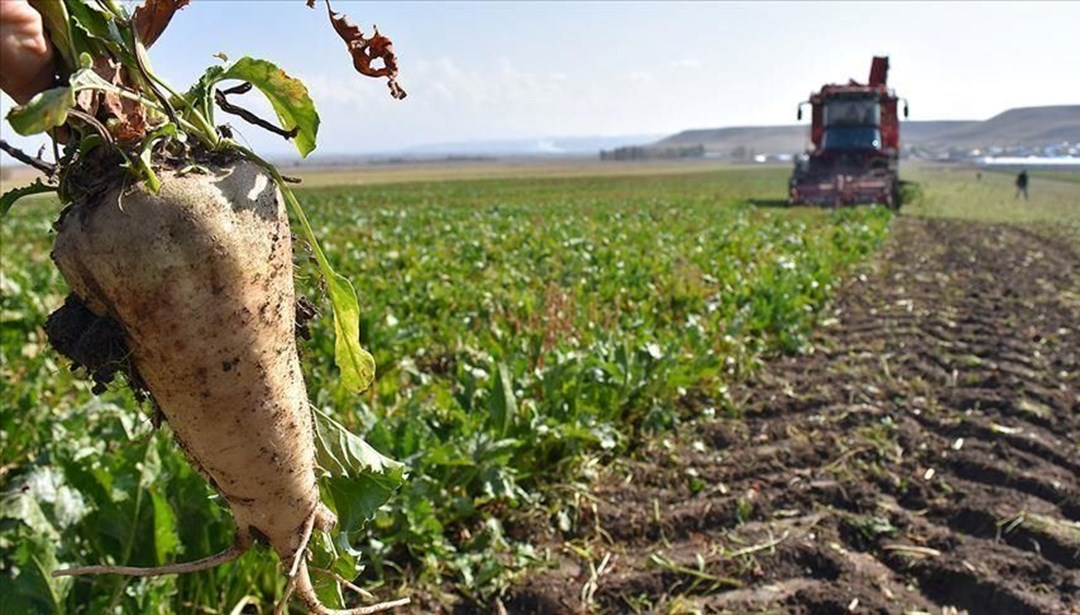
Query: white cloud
(639, 78)
(502, 83)
(326, 89)
(685, 63)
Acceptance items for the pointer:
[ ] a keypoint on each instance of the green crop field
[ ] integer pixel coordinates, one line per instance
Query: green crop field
(526, 330)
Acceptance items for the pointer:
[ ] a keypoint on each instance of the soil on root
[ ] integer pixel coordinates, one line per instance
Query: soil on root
(923, 457)
(99, 345)
(95, 343)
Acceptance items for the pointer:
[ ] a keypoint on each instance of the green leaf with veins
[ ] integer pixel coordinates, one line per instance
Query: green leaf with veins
(34, 586)
(325, 557)
(43, 112)
(503, 405)
(8, 198)
(50, 108)
(22, 505)
(355, 500)
(166, 538)
(201, 95)
(96, 23)
(356, 364)
(86, 78)
(35, 557)
(343, 454)
(359, 478)
(328, 589)
(288, 96)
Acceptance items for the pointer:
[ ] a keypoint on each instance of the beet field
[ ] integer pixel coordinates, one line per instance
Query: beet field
(635, 392)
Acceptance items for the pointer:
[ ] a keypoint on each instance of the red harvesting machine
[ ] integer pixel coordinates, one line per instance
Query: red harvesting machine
(855, 144)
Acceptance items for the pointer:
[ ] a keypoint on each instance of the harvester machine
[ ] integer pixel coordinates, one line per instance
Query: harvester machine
(854, 150)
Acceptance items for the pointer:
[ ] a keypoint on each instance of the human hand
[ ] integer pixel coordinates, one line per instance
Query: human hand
(26, 55)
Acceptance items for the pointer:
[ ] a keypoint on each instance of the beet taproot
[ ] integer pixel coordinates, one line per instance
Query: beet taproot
(199, 277)
(176, 245)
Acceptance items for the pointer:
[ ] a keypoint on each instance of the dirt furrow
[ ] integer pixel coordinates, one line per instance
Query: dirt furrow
(925, 457)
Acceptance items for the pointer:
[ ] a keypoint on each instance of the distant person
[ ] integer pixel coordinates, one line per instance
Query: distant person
(978, 176)
(1022, 184)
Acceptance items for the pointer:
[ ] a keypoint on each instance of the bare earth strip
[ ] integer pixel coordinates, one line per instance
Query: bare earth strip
(926, 455)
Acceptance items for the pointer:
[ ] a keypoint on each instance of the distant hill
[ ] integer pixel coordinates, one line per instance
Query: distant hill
(540, 146)
(922, 133)
(775, 139)
(1027, 126)
(1023, 127)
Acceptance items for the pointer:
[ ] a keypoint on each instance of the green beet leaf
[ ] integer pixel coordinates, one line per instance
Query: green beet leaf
(288, 96)
(35, 557)
(166, 539)
(44, 112)
(356, 364)
(356, 499)
(201, 94)
(503, 405)
(50, 108)
(8, 198)
(359, 478)
(21, 505)
(93, 25)
(344, 454)
(324, 557)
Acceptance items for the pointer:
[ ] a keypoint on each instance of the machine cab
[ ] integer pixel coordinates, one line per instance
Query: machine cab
(851, 123)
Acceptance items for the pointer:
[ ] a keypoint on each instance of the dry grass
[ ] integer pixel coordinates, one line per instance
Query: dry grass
(955, 191)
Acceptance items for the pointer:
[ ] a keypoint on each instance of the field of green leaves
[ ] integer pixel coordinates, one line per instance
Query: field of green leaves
(525, 330)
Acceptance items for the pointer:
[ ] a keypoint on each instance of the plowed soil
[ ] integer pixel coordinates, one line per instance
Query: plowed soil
(924, 457)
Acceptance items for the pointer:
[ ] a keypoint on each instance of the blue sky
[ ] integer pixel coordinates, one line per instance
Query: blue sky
(492, 70)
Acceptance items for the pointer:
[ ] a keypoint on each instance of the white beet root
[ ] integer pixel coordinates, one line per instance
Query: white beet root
(200, 278)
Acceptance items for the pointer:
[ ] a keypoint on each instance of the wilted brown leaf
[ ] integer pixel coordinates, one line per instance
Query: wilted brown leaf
(87, 100)
(153, 17)
(129, 124)
(365, 51)
(125, 119)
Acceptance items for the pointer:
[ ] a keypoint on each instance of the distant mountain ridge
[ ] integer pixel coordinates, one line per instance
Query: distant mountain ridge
(1025, 126)
(537, 146)
(1021, 127)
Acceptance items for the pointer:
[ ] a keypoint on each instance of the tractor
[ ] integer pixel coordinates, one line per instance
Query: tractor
(854, 151)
